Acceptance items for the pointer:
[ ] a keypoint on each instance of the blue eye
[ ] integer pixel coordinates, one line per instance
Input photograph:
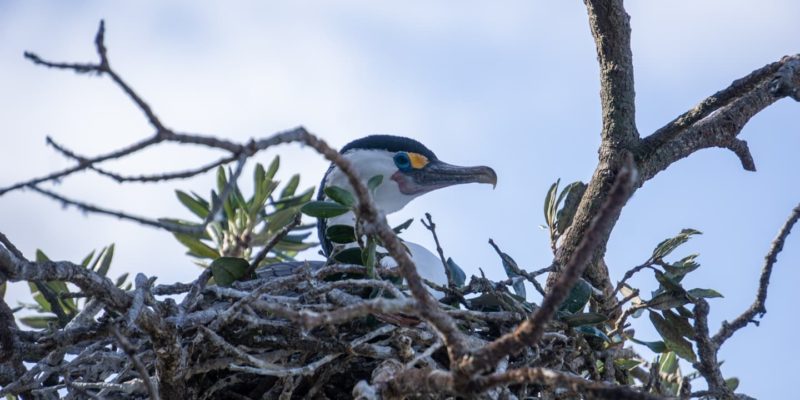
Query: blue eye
(402, 161)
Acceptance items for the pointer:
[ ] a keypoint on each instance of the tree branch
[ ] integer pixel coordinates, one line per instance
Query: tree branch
(759, 304)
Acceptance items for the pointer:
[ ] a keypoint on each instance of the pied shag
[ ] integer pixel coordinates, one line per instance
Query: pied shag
(409, 170)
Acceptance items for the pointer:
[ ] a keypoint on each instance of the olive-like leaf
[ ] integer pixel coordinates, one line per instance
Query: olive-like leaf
(341, 234)
(107, 256)
(291, 186)
(196, 207)
(324, 209)
(681, 324)
(667, 246)
(667, 300)
(668, 363)
(374, 182)
(340, 196)
(549, 204)
(656, 347)
(227, 270)
(583, 319)
(592, 331)
(349, 256)
(456, 273)
(704, 293)
(273, 168)
(628, 363)
(196, 247)
(578, 297)
(673, 338)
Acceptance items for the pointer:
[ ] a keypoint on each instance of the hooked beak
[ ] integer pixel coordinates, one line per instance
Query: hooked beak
(437, 175)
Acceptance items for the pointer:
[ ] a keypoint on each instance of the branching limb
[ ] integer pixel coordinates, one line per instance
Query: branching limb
(718, 120)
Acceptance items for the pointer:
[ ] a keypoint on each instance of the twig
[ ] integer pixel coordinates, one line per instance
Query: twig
(130, 350)
(142, 178)
(759, 304)
(429, 225)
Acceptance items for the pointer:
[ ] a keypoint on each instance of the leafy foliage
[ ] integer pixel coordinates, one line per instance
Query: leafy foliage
(246, 224)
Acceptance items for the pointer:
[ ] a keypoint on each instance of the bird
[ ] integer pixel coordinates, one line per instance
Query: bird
(409, 170)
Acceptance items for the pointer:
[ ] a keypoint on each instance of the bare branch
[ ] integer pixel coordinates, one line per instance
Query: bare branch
(759, 304)
(718, 120)
(429, 225)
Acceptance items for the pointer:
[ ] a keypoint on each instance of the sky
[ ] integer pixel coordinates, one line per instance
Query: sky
(509, 84)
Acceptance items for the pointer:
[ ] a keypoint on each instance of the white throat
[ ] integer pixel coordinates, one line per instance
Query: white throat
(370, 163)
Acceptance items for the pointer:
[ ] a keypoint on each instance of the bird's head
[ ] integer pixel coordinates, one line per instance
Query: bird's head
(409, 169)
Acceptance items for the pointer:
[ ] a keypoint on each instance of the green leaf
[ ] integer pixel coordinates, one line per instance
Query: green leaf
(592, 331)
(87, 260)
(628, 363)
(456, 273)
(400, 228)
(340, 196)
(279, 219)
(549, 204)
(291, 186)
(668, 283)
(518, 284)
(667, 246)
(196, 207)
(681, 324)
(273, 168)
(667, 300)
(655, 347)
(41, 257)
(368, 256)
(589, 318)
(732, 383)
(679, 269)
(578, 297)
(349, 256)
(324, 209)
(222, 182)
(196, 247)
(121, 280)
(227, 270)
(39, 321)
(107, 256)
(374, 182)
(259, 178)
(668, 363)
(704, 293)
(341, 234)
(673, 338)
(574, 191)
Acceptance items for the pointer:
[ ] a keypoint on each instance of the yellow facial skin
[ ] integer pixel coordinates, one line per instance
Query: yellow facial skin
(418, 161)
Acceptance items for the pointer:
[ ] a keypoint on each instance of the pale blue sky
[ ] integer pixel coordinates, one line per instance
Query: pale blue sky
(509, 84)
